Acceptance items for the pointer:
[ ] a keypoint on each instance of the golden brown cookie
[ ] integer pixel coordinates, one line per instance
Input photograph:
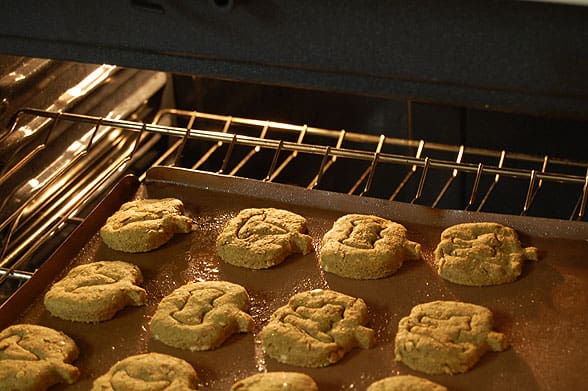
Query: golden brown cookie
(149, 371)
(95, 291)
(144, 225)
(317, 328)
(262, 238)
(366, 247)
(202, 315)
(405, 383)
(446, 337)
(276, 381)
(35, 358)
(480, 254)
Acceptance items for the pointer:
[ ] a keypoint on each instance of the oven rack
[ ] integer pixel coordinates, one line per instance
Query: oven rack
(287, 142)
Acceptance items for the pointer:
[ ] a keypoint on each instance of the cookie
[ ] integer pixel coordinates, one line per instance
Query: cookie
(317, 328)
(96, 291)
(35, 358)
(202, 315)
(405, 383)
(446, 337)
(144, 225)
(262, 238)
(480, 254)
(276, 381)
(366, 247)
(149, 371)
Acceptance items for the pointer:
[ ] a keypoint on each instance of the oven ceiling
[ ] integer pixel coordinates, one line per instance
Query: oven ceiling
(514, 56)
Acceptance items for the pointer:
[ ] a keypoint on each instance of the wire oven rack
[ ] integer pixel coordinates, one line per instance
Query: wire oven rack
(227, 145)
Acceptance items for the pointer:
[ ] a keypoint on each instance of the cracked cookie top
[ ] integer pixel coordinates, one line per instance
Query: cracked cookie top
(144, 225)
(480, 254)
(202, 315)
(276, 381)
(366, 247)
(317, 328)
(95, 291)
(149, 371)
(35, 358)
(259, 238)
(446, 337)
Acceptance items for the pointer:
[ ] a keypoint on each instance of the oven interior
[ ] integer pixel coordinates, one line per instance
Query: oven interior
(89, 96)
(67, 142)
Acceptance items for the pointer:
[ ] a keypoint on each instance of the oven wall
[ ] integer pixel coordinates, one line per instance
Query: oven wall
(433, 122)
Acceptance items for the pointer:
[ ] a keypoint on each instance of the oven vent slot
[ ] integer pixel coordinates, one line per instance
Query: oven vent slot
(377, 166)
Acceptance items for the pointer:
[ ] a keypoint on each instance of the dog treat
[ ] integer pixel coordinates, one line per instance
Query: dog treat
(480, 254)
(262, 238)
(144, 225)
(150, 371)
(446, 337)
(317, 328)
(95, 291)
(366, 247)
(33, 358)
(202, 315)
(276, 381)
(405, 383)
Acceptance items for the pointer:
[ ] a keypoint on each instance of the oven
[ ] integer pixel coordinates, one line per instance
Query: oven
(422, 110)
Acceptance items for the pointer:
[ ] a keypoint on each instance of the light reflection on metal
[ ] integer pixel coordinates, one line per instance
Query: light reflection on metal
(61, 178)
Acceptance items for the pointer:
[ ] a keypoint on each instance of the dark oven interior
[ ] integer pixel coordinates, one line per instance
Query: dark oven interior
(454, 106)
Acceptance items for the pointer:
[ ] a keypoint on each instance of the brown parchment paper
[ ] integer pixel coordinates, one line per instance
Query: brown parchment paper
(543, 314)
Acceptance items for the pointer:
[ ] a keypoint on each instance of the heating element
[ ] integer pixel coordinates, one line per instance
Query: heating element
(300, 155)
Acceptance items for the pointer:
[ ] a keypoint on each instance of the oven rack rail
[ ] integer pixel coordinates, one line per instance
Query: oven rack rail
(222, 132)
(376, 156)
(65, 210)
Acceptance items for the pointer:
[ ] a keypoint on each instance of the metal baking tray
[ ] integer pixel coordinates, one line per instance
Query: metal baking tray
(543, 313)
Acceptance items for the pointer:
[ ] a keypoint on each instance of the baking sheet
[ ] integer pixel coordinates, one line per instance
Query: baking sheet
(543, 314)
